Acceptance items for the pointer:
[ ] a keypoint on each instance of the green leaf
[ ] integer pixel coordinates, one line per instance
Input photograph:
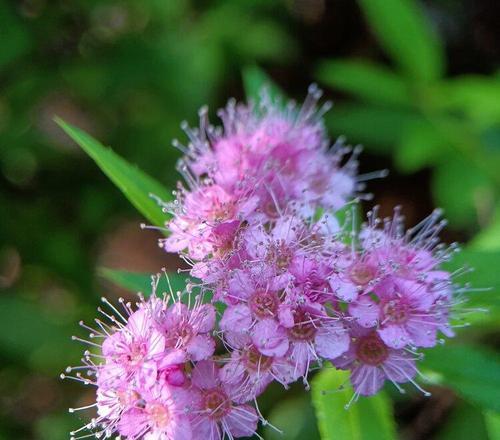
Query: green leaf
(488, 238)
(255, 80)
(141, 282)
(295, 417)
(464, 423)
(484, 276)
(421, 145)
(137, 186)
(473, 372)
(406, 36)
(492, 420)
(368, 419)
(367, 81)
(463, 191)
(473, 95)
(378, 128)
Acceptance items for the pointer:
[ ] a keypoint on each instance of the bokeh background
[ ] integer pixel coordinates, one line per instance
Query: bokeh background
(425, 103)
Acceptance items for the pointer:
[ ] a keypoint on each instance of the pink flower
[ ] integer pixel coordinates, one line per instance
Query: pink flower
(187, 331)
(256, 166)
(206, 220)
(356, 272)
(253, 312)
(273, 248)
(414, 254)
(132, 352)
(216, 413)
(372, 362)
(311, 274)
(251, 371)
(404, 313)
(256, 222)
(159, 414)
(313, 335)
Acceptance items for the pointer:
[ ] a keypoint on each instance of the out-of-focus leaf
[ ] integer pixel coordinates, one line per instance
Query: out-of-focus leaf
(16, 40)
(492, 420)
(473, 372)
(474, 95)
(26, 333)
(367, 81)
(368, 419)
(56, 427)
(465, 422)
(255, 80)
(486, 277)
(88, 79)
(378, 128)
(488, 238)
(264, 40)
(295, 417)
(483, 261)
(142, 282)
(420, 145)
(405, 34)
(137, 186)
(463, 191)
(490, 138)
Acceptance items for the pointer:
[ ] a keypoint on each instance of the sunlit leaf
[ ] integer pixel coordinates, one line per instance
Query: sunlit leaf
(137, 186)
(406, 35)
(368, 419)
(367, 81)
(492, 420)
(472, 372)
(488, 238)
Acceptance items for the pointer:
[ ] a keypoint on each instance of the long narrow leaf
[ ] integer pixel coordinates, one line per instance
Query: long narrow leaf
(137, 186)
(367, 81)
(405, 34)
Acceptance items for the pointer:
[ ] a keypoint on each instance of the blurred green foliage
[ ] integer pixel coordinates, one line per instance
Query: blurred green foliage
(128, 72)
(419, 116)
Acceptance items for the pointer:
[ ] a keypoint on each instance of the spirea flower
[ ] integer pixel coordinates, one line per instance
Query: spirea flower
(140, 370)
(251, 169)
(258, 222)
(217, 413)
(372, 362)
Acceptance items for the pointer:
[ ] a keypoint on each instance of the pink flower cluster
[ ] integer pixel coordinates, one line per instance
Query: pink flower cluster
(295, 287)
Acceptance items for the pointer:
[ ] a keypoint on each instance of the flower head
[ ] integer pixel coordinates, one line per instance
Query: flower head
(372, 362)
(216, 412)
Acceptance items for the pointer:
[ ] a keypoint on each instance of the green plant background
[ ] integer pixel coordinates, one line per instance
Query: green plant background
(415, 82)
